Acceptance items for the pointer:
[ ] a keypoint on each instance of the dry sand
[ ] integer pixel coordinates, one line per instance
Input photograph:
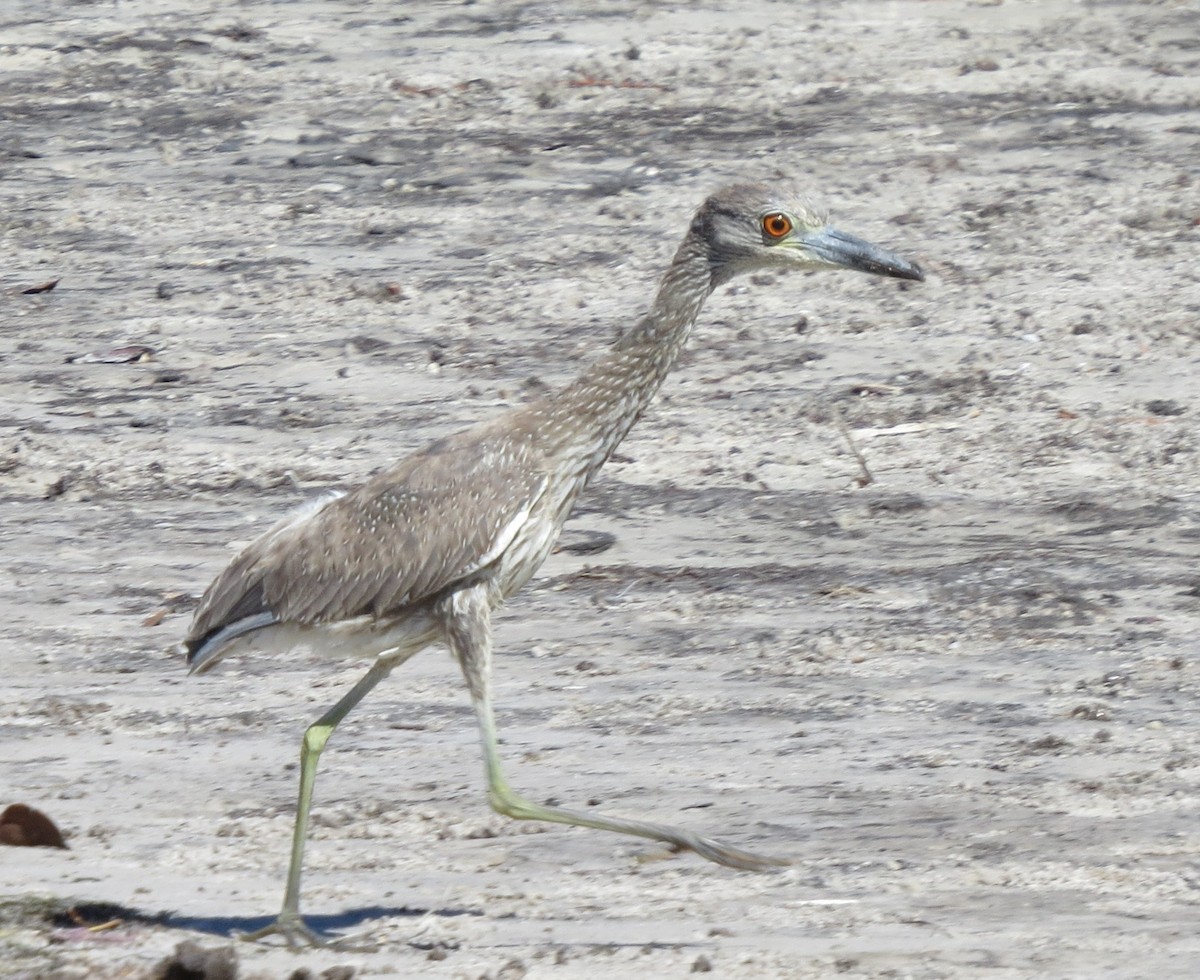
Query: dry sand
(961, 697)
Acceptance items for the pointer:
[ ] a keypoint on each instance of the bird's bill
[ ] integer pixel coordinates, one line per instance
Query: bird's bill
(833, 247)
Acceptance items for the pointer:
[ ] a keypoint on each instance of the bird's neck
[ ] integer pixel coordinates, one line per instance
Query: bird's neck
(593, 413)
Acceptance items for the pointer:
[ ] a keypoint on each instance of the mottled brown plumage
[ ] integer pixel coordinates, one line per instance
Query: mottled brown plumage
(391, 544)
(425, 550)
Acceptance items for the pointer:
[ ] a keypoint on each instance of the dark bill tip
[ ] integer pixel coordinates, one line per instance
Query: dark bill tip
(838, 248)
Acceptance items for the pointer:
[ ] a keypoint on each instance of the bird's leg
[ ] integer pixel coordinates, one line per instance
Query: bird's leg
(468, 631)
(289, 925)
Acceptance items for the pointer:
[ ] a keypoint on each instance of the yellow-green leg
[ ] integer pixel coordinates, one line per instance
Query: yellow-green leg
(289, 924)
(504, 800)
(469, 635)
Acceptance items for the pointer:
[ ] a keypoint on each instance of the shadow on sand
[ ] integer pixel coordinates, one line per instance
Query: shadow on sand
(326, 926)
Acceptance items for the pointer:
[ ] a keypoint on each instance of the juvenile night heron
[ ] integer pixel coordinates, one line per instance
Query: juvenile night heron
(425, 550)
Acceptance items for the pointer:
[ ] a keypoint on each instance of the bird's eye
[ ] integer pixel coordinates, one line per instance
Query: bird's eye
(776, 225)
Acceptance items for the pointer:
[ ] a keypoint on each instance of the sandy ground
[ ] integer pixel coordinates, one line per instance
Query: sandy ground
(961, 697)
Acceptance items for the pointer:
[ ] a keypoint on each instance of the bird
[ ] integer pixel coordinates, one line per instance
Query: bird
(425, 550)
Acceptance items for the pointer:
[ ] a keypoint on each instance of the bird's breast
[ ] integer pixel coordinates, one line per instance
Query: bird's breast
(535, 539)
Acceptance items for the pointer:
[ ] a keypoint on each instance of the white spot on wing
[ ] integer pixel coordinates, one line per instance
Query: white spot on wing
(505, 536)
(302, 513)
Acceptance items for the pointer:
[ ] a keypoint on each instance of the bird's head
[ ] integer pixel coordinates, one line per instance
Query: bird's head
(748, 227)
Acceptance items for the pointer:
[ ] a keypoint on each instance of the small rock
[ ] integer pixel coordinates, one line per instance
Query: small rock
(1164, 406)
(23, 826)
(512, 970)
(191, 961)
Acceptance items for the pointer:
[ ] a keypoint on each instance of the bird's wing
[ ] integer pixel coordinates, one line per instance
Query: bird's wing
(438, 517)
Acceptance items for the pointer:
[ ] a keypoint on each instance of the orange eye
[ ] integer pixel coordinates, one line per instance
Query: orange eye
(776, 225)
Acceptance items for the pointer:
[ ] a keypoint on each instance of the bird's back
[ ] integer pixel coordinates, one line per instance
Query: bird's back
(441, 517)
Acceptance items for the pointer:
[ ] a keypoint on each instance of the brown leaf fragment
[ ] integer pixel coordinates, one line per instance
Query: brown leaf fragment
(23, 826)
(43, 287)
(156, 617)
(128, 354)
(80, 919)
(592, 81)
(407, 88)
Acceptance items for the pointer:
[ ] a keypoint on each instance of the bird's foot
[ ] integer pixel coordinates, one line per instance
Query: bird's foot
(296, 934)
(505, 801)
(731, 857)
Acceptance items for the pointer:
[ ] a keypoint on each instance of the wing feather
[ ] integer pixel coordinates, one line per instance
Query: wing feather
(407, 534)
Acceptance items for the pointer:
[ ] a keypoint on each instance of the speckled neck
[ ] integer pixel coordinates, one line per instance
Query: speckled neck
(592, 414)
